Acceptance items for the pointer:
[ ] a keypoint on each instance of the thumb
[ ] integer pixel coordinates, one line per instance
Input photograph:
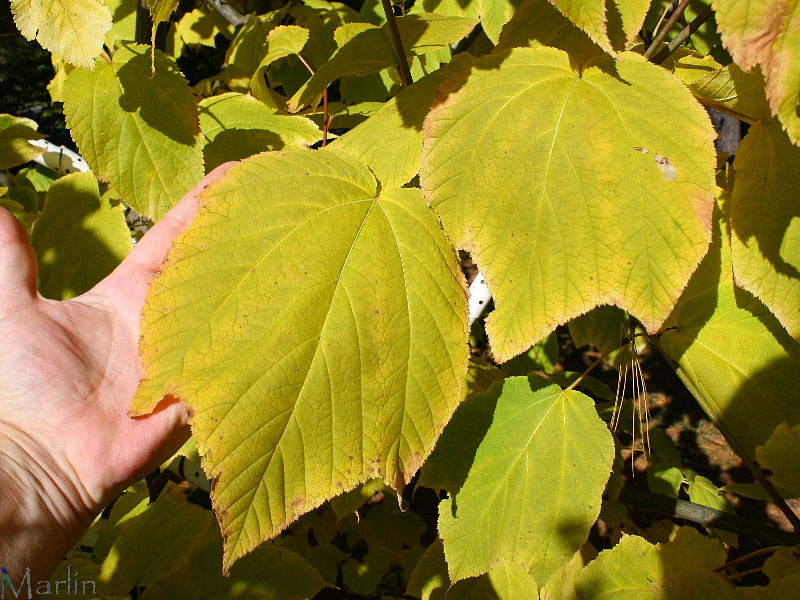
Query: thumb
(18, 268)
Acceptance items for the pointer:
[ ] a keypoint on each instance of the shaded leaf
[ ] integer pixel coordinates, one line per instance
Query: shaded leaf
(370, 50)
(734, 351)
(725, 88)
(780, 455)
(765, 221)
(236, 126)
(506, 582)
(429, 579)
(154, 543)
(595, 18)
(15, 134)
(79, 237)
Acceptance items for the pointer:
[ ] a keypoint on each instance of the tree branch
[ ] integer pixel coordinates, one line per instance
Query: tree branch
(703, 515)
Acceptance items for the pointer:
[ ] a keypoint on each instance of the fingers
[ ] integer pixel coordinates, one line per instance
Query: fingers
(127, 285)
(18, 269)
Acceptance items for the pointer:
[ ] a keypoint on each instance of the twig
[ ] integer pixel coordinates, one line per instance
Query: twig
(583, 375)
(228, 12)
(683, 35)
(326, 122)
(746, 557)
(402, 61)
(743, 573)
(703, 515)
(662, 33)
(729, 437)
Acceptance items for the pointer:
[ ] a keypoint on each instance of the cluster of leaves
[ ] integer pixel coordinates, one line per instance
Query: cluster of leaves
(314, 314)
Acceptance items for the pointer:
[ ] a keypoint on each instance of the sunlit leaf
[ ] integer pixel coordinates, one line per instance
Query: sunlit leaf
(610, 207)
(531, 488)
(139, 133)
(636, 569)
(73, 30)
(79, 237)
(324, 342)
(765, 221)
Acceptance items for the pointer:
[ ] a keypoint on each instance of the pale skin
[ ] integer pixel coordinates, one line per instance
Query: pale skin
(68, 372)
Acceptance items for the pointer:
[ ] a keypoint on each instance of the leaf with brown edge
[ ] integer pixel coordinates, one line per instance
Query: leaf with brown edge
(316, 329)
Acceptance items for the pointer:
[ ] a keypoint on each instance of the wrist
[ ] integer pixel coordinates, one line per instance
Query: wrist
(44, 509)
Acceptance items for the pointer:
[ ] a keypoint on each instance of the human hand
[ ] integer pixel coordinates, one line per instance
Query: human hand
(68, 372)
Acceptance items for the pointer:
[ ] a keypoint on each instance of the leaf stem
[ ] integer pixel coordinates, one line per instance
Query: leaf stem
(683, 35)
(743, 573)
(326, 122)
(397, 43)
(583, 375)
(746, 557)
(729, 437)
(662, 33)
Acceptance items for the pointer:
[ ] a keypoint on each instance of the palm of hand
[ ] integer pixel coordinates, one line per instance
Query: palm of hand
(68, 370)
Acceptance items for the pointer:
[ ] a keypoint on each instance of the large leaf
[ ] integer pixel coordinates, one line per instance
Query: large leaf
(139, 132)
(79, 237)
(236, 126)
(15, 136)
(533, 484)
(734, 351)
(767, 33)
(317, 331)
(765, 221)
(611, 207)
(73, 30)
(398, 126)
